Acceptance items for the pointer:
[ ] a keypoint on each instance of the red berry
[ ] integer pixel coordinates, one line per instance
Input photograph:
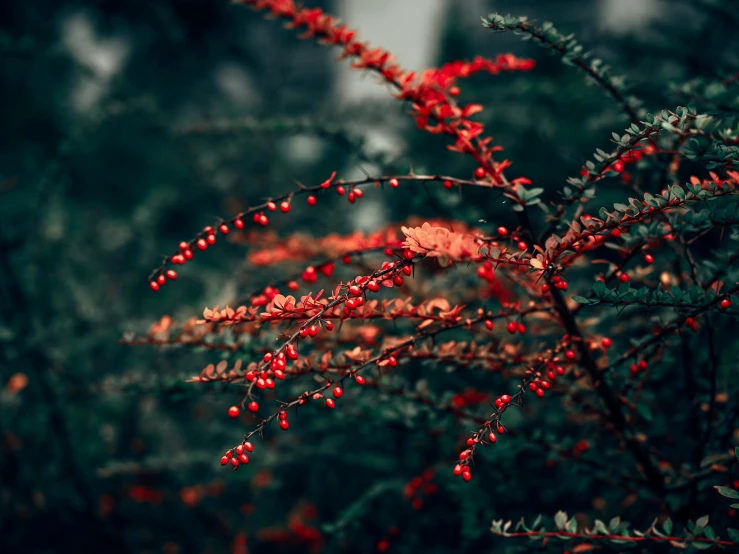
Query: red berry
(329, 325)
(330, 403)
(488, 324)
(338, 392)
(210, 239)
(285, 207)
(238, 223)
(161, 279)
(202, 245)
(492, 437)
(373, 286)
(224, 460)
(253, 406)
(340, 190)
(359, 379)
(284, 424)
(466, 475)
(648, 258)
(570, 355)
(184, 246)
(224, 229)
(624, 277)
(154, 285)
(521, 328)
(505, 399)
(397, 281)
(312, 330)
(447, 184)
(725, 304)
(188, 254)
(606, 342)
(243, 459)
(235, 462)
(618, 166)
(311, 200)
(171, 274)
(234, 411)
(271, 206)
(511, 327)
(522, 245)
(502, 231)
(394, 183)
(480, 172)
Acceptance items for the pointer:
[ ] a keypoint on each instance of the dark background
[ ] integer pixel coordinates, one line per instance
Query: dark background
(99, 177)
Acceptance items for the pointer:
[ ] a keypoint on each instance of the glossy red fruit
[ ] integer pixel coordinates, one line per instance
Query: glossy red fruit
(234, 411)
(253, 406)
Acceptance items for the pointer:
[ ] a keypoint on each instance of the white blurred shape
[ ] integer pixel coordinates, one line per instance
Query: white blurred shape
(104, 57)
(409, 29)
(301, 148)
(235, 83)
(627, 15)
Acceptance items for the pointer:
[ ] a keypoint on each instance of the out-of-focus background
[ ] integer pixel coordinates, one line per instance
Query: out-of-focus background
(127, 125)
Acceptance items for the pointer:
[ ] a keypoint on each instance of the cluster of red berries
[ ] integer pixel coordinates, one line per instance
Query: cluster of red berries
(186, 254)
(237, 456)
(557, 282)
(640, 366)
(691, 324)
(419, 486)
(514, 328)
(538, 386)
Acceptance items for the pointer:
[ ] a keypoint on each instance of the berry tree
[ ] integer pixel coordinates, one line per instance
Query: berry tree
(588, 343)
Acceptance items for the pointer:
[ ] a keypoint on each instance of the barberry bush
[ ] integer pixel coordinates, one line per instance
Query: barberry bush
(517, 359)
(473, 334)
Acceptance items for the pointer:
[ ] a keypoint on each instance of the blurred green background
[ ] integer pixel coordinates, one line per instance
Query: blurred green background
(109, 156)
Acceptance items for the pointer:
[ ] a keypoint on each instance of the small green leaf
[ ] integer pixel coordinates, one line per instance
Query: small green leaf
(700, 525)
(727, 492)
(667, 525)
(581, 300)
(560, 520)
(614, 523)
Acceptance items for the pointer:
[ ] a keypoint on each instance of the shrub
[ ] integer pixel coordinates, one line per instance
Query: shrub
(589, 344)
